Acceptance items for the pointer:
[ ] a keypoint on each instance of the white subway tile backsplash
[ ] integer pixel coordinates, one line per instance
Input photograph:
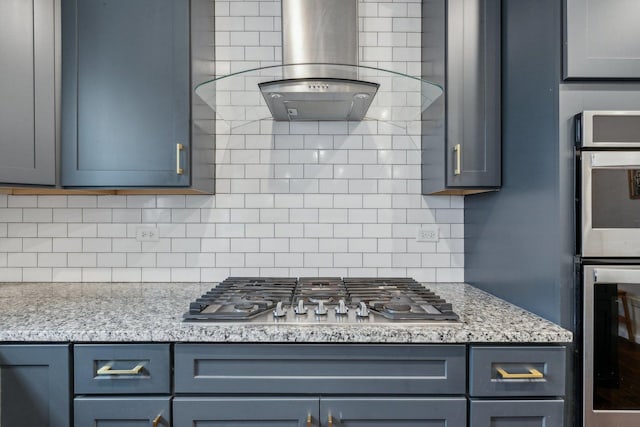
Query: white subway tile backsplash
(81, 260)
(21, 230)
(136, 259)
(333, 245)
(289, 230)
(397, 186)
(293, 198)
(52, 201)
(37, 215)
(36, 274)
(67, 215)
(22, 201)
(111, 260)
(22, 259)
(66, 275)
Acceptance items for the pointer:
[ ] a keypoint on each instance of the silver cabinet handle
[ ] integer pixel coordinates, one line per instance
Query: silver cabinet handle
(106, 370)
(179, 148)
(457, 149)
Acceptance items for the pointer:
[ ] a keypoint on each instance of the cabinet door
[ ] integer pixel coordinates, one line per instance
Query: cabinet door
(27, 91)
(122, 411)
(126, 94)
(245, 411)
(34, 385)
(393, 412)
(601, 39)
(516, 413)
(473, 94)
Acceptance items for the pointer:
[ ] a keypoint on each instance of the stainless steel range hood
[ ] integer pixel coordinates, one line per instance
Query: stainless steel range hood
(319, 32)
(320, 78)
(318, 99)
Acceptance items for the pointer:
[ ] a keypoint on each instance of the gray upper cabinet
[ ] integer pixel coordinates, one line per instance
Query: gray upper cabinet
(601, 39)
(461, 136)
(34, 385)
(28, 45)
(126, 93)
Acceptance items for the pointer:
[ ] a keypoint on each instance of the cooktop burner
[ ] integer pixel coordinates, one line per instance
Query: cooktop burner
(320, 300)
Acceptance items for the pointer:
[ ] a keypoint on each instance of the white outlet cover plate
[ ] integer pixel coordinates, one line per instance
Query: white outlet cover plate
(147, 234)
(428, 233)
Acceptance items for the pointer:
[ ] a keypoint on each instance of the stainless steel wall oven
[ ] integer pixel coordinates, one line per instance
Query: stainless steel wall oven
(608, 247)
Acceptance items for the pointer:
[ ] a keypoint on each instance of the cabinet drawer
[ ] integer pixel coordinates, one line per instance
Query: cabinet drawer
(346, 368)
(124, 411)
(517, 371)
(516, 413)
(122, 368)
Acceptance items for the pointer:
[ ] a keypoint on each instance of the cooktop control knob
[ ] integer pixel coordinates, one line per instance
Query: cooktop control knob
(342, 308)
(321, 310)
(279, 311)
(300, 308)
(362, 310)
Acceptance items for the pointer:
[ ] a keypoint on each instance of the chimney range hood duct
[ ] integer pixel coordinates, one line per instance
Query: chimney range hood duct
(320, 78)
(317, 32)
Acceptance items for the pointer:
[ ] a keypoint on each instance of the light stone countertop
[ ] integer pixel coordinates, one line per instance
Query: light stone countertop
(152, 312)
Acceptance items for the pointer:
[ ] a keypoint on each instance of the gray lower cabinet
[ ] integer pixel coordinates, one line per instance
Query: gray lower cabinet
(35, 386)
(126, 93)
(534, 375)
(319, 411)
(29, 38)
(126, 385)
(516, 413)
(393, 411)
(461, 131)
(313, 385)
(601, 39)
(245, 411)
(122, 411)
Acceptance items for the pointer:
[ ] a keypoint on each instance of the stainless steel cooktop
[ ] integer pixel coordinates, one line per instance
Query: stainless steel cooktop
(321, 300)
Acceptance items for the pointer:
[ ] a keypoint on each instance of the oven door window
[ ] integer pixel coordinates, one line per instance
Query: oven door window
(616, 352)
(615, 195)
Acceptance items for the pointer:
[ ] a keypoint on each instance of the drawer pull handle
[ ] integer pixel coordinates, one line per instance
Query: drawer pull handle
(156, 421)
(330, 423)
(532, 374)
(309, 419)
(179, 148)
(106, 370)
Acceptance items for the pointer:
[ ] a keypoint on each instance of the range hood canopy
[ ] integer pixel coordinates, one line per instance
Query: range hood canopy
(321, 78)
(238, 98)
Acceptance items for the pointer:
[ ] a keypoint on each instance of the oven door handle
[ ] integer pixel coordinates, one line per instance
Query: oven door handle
(616, 275)
(614, 160)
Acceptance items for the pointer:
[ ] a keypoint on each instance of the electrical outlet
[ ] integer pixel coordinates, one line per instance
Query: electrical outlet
(147, 234)
(428, 233)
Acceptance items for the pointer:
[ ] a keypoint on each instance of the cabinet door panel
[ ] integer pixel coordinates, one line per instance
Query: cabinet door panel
(122, 411)
(126, 101)
(244, 411)
(601, 39)
(27, 92)
(394, 412)
(473, 94)
(34, 385)
(516, 413)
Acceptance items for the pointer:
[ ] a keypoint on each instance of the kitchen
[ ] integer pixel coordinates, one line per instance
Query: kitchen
(297, 199)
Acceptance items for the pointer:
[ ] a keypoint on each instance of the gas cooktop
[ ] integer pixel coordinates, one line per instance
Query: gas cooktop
(322, 300)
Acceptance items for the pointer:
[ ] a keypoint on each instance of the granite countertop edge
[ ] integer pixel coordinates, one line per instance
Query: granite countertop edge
(148, 312)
